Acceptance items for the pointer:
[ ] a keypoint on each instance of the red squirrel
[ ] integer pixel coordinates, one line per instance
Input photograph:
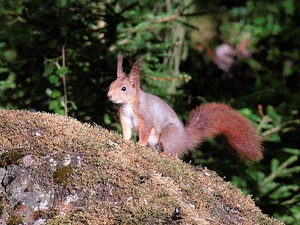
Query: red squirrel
(158, 126)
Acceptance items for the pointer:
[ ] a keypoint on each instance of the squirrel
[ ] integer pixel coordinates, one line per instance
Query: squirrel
(158, 126)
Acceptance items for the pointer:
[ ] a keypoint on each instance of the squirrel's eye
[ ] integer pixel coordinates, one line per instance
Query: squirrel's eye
(123, 88)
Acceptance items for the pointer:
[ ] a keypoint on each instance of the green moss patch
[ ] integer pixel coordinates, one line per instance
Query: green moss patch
(62, 174)
(12, 157)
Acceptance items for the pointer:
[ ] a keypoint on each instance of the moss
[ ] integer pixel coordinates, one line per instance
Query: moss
(119, 183)
(15, 220)
(9, 158)
(44, 214)
(62, 174)
(1, 205)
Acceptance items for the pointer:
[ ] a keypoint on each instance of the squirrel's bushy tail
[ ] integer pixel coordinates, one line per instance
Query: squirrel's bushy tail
(212, 119)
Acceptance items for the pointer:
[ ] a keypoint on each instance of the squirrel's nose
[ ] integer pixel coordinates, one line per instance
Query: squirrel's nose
(109, 95)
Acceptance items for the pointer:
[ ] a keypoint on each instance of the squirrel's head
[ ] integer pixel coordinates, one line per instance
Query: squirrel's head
(124, 89)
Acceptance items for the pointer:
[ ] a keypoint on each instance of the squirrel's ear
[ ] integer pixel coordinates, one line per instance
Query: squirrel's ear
(135, 73)
(120, 70)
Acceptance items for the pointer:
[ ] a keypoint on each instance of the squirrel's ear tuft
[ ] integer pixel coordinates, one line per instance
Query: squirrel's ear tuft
(135, 73)
(136, 68)
(120, 70)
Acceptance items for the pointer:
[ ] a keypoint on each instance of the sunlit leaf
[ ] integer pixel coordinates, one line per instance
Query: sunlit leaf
(272, 112)
(62, 71)
(53, 79)
(55, 94)
(53, 104)
(48, 92)
(294, 151)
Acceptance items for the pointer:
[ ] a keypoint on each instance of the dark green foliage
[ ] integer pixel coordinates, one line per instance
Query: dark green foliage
(267, 84)
(177, 65)
(57, 77)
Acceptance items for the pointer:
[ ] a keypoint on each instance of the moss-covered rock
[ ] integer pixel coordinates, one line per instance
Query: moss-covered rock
(67, 172)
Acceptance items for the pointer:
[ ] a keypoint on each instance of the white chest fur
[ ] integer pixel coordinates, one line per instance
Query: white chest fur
(129, 117)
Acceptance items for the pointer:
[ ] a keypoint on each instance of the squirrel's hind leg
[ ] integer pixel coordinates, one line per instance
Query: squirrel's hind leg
(153, 139)
(173, 140)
